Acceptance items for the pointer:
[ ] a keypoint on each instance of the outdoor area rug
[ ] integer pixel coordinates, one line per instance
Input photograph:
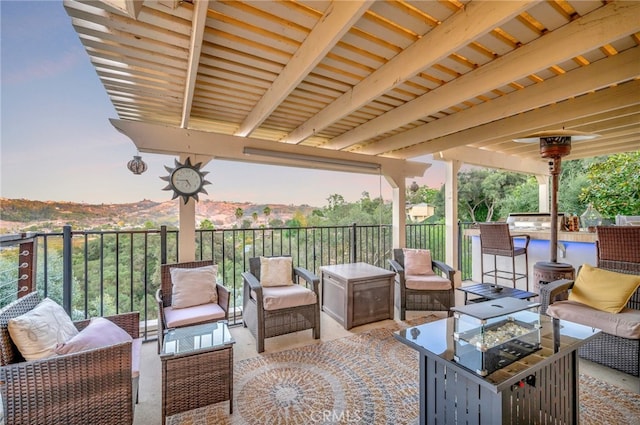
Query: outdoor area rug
(369, 378)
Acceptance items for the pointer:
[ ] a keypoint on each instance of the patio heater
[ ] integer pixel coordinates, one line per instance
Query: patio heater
(554, 144)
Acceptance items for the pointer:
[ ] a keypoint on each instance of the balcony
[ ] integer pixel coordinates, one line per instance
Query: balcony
(98, 273)
(95, 273)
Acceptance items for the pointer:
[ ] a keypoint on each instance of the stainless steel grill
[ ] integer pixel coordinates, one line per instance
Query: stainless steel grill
(534, 221)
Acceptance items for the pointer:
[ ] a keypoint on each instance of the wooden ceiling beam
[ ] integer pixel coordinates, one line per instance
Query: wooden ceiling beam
(338, 19)
(195, 50)
(603, 73)
(484, 158)
(543, 118)
(475, 19)
(608, 23)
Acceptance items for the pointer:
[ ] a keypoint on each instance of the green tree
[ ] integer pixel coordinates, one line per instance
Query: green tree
(614, 185)
(239, 213)
(335, 201)
(522, 198)
(424, 194)
(207, 224)
(480, 192)
(267, 212)
(254, 215)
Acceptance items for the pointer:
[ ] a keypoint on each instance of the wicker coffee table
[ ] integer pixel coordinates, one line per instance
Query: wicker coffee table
(489, 291)
(197, 367)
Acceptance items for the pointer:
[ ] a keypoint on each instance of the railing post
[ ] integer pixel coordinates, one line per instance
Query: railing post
(460, 246)
(354, 242)
(66, 268)
(163, 244)
(26, 260)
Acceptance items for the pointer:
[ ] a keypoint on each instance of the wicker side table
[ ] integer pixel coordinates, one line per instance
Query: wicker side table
(197, 368)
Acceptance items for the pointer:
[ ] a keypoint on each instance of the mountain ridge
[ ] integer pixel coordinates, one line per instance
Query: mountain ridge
(20, 215)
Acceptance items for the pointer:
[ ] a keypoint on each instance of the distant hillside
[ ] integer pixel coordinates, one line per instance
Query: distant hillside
(20, 215)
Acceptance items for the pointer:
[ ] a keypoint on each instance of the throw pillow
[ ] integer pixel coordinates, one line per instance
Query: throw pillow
(194, 286)
(99, 333)
(603, 289)
(276, 271)
(417, 262)
(37, 332)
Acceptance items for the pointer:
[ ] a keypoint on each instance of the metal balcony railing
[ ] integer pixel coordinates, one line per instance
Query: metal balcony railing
(98, 273)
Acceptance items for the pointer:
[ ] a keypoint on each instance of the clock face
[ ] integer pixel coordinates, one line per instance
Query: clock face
(185, 180)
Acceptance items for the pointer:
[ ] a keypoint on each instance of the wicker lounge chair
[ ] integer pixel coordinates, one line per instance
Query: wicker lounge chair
(269, 322)
(432, 296)
(186, 316)
(617, 250)
(89, 387)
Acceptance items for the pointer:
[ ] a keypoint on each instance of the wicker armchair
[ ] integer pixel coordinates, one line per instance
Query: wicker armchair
(617, 250)
(266, 323)
(163, 298)
(88, 387)
(422, 299)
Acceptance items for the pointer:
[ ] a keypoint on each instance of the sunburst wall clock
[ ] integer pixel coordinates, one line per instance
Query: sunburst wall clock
(186, 180)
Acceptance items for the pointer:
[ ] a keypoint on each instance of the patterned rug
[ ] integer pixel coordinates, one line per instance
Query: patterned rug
(369, 378)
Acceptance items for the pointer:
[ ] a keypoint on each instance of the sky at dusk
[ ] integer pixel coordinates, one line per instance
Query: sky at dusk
(56, 142)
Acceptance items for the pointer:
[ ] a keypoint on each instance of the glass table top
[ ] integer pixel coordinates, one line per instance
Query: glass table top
(556, 337)
(191, 339)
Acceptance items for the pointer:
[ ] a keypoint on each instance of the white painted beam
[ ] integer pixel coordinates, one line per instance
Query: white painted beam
(474, 20)
(168, 140)
(609, 23)
(613, 70)
(195, 50)
(337, 20)
(544, 118)
(495, 160)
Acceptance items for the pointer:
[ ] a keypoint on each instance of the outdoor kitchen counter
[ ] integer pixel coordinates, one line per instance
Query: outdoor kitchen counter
(574, 248)
(545, 235)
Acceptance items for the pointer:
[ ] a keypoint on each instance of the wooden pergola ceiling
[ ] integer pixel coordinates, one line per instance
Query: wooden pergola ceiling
(397, 79)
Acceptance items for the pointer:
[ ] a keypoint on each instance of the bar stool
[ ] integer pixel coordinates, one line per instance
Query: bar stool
(496, 240)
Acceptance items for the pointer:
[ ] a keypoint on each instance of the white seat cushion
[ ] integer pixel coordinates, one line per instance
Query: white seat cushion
(136, 347)
(177, 317)
(625, 324)
(427, 282)
(278, 297)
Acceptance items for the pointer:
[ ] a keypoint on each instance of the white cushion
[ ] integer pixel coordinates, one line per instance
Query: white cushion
(193, 286)
(276, 271)
(99, 333)
(178, 317)
(417, 262)
(37, 332)
(625, 324)
(275, 298)
(427, 282)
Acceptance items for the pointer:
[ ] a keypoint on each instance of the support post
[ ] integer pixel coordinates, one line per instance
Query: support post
(354, 243)
(66, 269)
(451, 211)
